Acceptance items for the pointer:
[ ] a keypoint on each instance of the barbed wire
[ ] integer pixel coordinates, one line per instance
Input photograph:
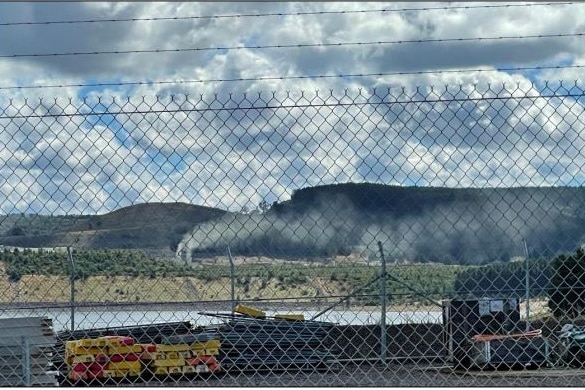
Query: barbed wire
(278, 14)
(293, 106)
(296, 45)
(273, 78)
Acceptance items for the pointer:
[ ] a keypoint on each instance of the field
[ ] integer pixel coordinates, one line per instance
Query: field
(41, 280)
(44, 288)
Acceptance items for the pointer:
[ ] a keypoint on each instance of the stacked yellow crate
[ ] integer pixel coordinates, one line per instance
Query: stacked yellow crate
(103, 357)
(123, 357)
(182, 358)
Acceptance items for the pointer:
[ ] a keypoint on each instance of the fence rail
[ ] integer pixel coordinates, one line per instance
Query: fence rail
(356, 237)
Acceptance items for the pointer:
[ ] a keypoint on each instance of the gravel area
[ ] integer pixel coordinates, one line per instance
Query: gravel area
(392, 375)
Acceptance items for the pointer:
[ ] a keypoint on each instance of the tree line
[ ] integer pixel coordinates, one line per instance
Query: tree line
(560, 279)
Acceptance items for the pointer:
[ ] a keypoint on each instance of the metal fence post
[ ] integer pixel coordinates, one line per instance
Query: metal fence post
(527, 286)
(383, 342)
(232, 278)
(72, 289)
(26, 374)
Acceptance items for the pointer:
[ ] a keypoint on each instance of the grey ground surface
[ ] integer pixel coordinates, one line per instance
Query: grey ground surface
(392, 375)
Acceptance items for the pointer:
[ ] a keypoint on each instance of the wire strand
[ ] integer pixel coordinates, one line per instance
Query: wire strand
(278, 14)
(297, 46)
(273, 78)
(293, 106)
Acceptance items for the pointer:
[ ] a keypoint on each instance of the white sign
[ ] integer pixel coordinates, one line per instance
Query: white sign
(497, 305)
(484, 307)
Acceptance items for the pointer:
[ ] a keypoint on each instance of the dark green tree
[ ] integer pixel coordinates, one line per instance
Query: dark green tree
(567, 291)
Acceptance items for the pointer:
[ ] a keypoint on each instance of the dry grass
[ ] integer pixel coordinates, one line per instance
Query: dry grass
(122, 289)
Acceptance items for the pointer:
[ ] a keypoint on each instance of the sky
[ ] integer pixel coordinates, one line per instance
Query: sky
(160, 137)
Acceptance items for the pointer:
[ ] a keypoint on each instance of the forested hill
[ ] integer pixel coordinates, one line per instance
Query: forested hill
(451, 225)
(377, 198)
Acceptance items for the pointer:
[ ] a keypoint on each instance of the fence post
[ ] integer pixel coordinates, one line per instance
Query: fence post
(26, 374)
(527, 286)
(383, 342)
(72, 289)
(232, 278)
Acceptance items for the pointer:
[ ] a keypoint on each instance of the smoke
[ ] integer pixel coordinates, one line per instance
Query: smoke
(481, 227)
(325, 229)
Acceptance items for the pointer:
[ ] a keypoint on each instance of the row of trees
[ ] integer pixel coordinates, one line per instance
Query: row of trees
(87, 263)
(434, 280)
(562, 278)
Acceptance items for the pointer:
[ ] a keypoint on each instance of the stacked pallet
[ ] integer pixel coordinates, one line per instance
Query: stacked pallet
(120, 357)
(143, 334)
(26, 352)
(103, 357)
(186, 356)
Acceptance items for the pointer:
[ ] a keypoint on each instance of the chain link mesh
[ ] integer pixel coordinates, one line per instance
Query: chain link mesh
(396, 236)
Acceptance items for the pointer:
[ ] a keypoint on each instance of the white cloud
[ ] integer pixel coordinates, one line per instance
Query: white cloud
(206, 153)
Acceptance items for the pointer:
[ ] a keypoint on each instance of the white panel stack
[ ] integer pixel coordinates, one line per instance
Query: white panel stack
(26, 346)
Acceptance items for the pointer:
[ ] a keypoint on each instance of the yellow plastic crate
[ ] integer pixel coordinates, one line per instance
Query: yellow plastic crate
(161, 371)
(186, 354)
(80, 359)
(172, 348)
(168, 362)
(209, 351)
(175, 370)
(75, 350)
(124, 366)
(249, 311)
(86, 343)
(211, 344)
(111, 341)
(172, 355)
(124, 349)
(189, 370)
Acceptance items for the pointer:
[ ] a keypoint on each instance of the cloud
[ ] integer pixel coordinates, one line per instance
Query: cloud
(312, 130)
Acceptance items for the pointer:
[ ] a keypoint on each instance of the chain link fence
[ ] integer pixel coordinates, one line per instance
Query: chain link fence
(394, 237)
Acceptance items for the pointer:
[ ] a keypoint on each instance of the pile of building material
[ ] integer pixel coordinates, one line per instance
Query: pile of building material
(144, 334)
(102, 358)
(182, 355)
(26, 351)
(251, 340)
(247, 339)
(120, 357)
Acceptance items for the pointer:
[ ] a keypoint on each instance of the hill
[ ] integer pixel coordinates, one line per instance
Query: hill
(149, 226)
(415, 224)
(422, 224)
